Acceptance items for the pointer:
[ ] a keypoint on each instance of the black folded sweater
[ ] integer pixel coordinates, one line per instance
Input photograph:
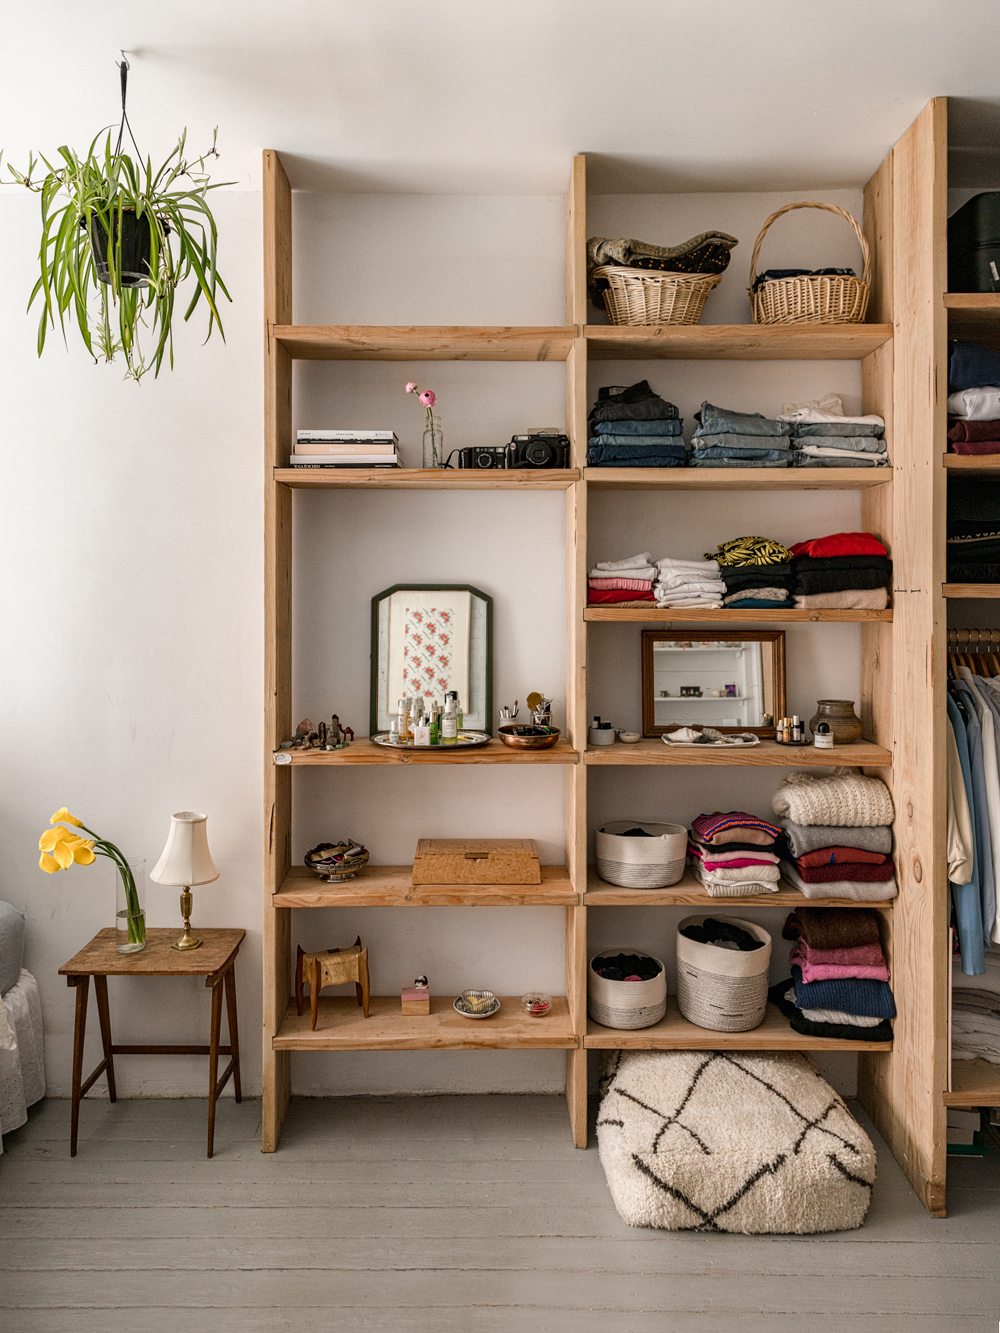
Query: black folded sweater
(839, 580)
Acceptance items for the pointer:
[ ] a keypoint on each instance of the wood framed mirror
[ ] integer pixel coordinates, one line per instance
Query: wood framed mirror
(733, 680)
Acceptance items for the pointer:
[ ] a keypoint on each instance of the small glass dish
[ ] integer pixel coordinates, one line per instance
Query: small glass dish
(536, 1003)
(476, 1004)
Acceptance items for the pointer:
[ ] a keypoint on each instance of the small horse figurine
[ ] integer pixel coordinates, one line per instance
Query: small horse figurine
(331, 968)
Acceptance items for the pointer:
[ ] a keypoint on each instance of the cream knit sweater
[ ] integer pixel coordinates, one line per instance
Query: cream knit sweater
(846, 798)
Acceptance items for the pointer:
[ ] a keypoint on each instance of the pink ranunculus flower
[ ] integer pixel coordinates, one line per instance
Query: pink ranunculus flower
(411, 386)
(428, 398)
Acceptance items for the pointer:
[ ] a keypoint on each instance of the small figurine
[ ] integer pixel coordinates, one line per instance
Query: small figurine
(332, 967)
(416, 999)
(421, 983)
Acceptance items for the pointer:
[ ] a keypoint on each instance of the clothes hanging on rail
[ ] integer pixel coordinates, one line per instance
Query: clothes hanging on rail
(966, 898)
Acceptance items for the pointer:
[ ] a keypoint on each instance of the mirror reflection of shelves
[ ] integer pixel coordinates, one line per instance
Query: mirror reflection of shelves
(701, 675)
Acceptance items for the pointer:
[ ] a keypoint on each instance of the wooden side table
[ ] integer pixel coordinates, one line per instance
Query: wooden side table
(214, 961)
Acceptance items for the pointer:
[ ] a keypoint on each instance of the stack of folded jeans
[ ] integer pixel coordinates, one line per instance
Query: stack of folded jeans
(631, 426)
(974, 399)
(689, 583)
(626, 582)
(840, 978)
(739, 439)
(822, 436)
(845, 571)
(756, 571)
(973, 545)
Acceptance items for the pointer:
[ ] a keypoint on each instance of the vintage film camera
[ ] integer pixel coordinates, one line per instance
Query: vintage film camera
(537, 449)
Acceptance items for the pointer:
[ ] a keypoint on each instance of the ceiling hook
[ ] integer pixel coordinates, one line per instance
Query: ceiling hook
(125, 60)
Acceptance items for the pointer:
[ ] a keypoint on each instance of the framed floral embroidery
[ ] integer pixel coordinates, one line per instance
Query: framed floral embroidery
(427, 640)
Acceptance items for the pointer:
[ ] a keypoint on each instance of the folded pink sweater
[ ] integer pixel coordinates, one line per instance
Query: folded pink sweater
(635, 585)
(813, 971)
(715, 859)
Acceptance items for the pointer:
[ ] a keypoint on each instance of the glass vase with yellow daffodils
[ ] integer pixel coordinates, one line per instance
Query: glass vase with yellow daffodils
(61, 848)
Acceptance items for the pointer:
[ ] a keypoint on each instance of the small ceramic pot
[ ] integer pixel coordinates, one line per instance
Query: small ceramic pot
(601, 735)
(845, 725)
(629, 737)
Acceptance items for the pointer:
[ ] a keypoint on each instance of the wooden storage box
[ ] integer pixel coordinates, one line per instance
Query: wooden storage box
(476, 861)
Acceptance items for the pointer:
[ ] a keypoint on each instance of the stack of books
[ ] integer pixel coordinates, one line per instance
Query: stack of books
(345, 448)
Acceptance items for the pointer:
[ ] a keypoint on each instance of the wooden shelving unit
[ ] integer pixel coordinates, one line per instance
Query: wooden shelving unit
(690, 893)
(973, 591)
(665, 615)
(420, 479)
(973, 1083)
(364, 751)
(902, 350)
(973, 315)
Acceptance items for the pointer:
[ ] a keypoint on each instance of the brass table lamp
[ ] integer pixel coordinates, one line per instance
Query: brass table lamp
(185, 861)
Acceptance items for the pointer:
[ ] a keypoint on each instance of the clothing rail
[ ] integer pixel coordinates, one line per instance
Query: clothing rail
(977, 649)
(955, 638)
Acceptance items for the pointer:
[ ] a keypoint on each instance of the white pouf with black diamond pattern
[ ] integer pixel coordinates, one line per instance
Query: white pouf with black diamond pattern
(746, 1141)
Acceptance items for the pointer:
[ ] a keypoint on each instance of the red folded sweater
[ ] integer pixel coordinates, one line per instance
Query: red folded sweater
(974, 430)
(828, 856)
(861, 872)
(978, 446)
(840, 543)
(599, 596)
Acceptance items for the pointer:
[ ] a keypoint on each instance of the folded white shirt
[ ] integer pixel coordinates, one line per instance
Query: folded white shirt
(829, 408)
(982, 404)
(633, 562)
(669, 600)
(706, 566)
(833, 1015)
(686, 582)
(830, 451)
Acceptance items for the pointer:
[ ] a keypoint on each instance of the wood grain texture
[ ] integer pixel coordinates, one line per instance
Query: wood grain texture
(357, 342)
(391, 886)
(984, 464)
(973, 591)
(675, 1033)
(736, 478)
(973, 1083)
(861, 754)
(277, 812)
(974, 316)
(364, 751)
(689, 892)
(576, 243)
(750, 616)
(425, 479)
(159, 958)
(736, 342)
(342, 1027)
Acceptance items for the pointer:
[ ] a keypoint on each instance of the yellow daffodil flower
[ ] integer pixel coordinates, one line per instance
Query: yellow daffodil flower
(63, 816)
(52, 837)
(47, 864)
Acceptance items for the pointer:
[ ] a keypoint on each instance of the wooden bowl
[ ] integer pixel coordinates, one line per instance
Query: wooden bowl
(537, 738)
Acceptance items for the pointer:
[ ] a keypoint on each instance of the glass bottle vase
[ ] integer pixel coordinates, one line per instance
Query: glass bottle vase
(130, 905)
(434, 446)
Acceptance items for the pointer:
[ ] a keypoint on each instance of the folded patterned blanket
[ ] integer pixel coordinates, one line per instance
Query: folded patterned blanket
(735, 825)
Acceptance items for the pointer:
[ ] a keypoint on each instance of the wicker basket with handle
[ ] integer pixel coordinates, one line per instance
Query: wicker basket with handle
(829, 299)
(635, 296)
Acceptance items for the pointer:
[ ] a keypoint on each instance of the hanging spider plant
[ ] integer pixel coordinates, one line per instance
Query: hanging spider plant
(118, 238)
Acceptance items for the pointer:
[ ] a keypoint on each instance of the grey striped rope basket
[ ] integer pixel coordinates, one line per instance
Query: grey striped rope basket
(653, 862)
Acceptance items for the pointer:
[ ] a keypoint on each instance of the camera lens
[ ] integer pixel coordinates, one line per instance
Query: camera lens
(539, 454)
(484, 459)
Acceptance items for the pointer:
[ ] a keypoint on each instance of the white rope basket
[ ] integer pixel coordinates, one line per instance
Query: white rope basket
(829, 299)
(635, 296)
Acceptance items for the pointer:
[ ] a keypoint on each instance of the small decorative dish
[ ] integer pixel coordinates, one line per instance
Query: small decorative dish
(476, 1004)
(796, 744)
(336, 861)
(527, 736)
(466, 740)
(629, 737)
(536, 1003)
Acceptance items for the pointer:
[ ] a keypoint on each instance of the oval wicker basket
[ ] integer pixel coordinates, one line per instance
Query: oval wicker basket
(721, 989)
(829, 299)
(635, 296)
(653, 862)
(626, 1004)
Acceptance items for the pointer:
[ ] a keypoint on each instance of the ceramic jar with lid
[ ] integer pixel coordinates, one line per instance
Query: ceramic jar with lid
(839, 714)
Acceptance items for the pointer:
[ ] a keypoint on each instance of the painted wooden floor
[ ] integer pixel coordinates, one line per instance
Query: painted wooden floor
(437, 1215)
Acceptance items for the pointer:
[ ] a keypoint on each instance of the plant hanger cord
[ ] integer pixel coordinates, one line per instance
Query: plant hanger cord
(124, 68)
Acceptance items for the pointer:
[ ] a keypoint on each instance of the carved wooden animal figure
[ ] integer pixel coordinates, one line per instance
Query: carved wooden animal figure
(332, 967)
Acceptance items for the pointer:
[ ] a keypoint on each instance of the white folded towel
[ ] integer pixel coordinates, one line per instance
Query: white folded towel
(633, 562)
(668, 599)
(982, 404)
(829, 408)
(638, 572)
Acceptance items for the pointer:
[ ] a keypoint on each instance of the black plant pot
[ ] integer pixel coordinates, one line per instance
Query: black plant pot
(135, 247)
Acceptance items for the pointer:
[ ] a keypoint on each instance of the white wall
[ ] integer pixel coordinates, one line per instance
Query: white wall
(132, 660)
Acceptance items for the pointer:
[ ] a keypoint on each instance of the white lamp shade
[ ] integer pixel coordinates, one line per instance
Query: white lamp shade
(186, 859)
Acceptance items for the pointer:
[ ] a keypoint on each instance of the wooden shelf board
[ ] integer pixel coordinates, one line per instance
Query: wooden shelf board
(390, 886)
(968, 590)
(343, 1027)
(736, 478)
(736, 342)
(974, 463)
(767, 754)
(363, 751)
(973, 1083)
(426, 479)
(372, 342)
(675, 1033)
(665, 615)
(974, 315)
(690, 893)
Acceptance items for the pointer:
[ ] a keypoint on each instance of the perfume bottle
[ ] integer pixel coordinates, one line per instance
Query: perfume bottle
(422, 732)
(449, 724)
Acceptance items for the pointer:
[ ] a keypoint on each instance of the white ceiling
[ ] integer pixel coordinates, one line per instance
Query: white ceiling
(462, 96)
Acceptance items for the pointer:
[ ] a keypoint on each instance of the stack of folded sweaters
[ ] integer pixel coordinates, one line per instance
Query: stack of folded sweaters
(847, 570)
(631, 426)
(840, 979)
(689, 584)
(973, 545)
(974, 399)
(822, 436)
(733, 854)
(846, 819)
(739, 439)
(975, 1012)
(622, 582)
(756, 572)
